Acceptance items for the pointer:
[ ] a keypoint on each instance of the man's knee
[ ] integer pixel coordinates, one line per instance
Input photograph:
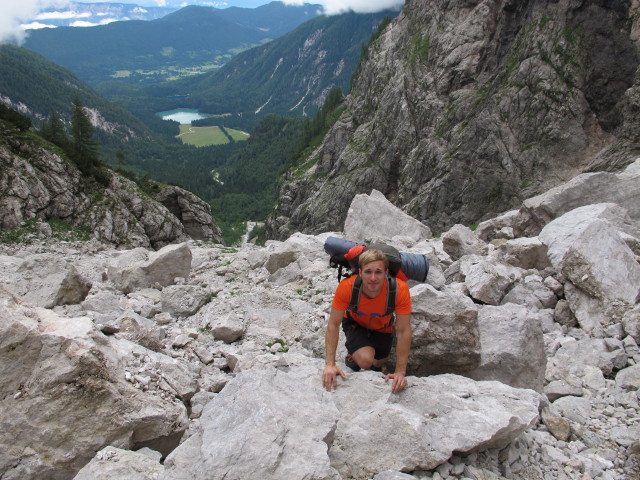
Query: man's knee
(364, 357)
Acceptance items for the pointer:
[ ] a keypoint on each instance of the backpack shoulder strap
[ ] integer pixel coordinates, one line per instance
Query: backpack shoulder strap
(355, 294)
(392, 291)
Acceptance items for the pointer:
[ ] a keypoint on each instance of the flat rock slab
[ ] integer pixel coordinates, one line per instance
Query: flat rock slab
(277, 422)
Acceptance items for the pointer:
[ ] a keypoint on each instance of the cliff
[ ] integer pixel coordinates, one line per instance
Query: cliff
(465, 108)
(39, 185)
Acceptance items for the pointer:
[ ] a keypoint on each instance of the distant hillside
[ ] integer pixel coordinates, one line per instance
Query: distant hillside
(192, 39)
(290, 76)
(237, 179)
(36, 87)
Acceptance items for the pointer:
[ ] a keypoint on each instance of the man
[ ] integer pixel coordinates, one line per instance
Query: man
(369, 333)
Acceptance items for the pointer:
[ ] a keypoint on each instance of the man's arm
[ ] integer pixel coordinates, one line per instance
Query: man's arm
(403, 345)
(331, 370)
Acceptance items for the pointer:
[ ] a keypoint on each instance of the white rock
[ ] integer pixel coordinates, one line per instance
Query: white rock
(588, 251)
(372, 218)
(113, 463)
(512, 347)
(140, 269)
(460, 240)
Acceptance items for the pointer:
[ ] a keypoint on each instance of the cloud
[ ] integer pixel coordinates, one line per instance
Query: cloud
(104, 21)
(35, 26)
(13, 14)
(61, 15)
(334, 7)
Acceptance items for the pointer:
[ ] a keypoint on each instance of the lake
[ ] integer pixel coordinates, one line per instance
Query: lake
(182, 115)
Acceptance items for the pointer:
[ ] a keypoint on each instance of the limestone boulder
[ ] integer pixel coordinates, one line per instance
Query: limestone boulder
(583, 190)
(446, 338)
(282, 254)
(487, 278)
(533, 293)
(574, 357)
(298, 430)
(631, 322)
(525, 253)
(434, 417)
(373, 218)
(140, 330)
(104, 306)
(227, 328)
(629, 378)
(139, 268)
(459, 241)
(587, 250)
(269, 423)
(112, 463)
(497, 227)
(46, 280)
(65, 395)
(184, 300)
(511, 347)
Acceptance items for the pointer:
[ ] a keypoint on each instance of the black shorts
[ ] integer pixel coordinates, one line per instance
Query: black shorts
(358, 337)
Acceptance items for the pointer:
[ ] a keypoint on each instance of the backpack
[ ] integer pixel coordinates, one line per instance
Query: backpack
(350, 260)
(344, 254)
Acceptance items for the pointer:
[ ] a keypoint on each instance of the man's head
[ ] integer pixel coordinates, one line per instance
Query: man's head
(374, 268)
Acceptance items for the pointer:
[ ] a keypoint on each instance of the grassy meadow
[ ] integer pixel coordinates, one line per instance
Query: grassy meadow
(205, 136)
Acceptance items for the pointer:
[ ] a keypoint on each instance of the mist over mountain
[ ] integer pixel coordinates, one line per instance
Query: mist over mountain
(79, 14)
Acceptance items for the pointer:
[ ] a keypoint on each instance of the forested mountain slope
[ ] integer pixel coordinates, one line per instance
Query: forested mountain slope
(290, 75)
(465, 108)
(193, 37)
(37, 87)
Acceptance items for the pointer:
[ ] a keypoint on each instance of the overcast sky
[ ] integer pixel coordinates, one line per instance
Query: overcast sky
(14, 13)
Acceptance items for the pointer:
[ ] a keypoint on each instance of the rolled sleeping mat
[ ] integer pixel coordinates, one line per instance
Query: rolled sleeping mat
(414, 265)
(338, 246)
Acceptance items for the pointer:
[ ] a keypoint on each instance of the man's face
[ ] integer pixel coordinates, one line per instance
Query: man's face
(373, 276)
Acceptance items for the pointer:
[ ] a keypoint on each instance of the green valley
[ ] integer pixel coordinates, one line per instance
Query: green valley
(260, 106)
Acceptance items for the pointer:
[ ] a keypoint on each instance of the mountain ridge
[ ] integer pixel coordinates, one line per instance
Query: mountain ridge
(461, 112)
(188, 38)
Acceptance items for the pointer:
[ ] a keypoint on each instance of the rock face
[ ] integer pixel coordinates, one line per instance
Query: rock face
(463, 109)
(193, 212)
(64, 390)
(36, 184)
(523, 364)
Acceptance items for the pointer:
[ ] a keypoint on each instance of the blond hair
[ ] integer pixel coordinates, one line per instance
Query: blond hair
(372, 255)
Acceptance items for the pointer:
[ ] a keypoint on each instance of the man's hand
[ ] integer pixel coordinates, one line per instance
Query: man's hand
(399, 382)
(330, 377)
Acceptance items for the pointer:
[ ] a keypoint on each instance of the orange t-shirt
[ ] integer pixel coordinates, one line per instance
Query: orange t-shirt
(370, 312)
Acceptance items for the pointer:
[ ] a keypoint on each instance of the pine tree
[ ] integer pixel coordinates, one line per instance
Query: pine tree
(54, 131)
(84, 149)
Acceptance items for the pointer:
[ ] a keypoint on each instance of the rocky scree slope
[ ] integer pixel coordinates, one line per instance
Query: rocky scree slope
(37, 184)
(203, 362)
(465, 108)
